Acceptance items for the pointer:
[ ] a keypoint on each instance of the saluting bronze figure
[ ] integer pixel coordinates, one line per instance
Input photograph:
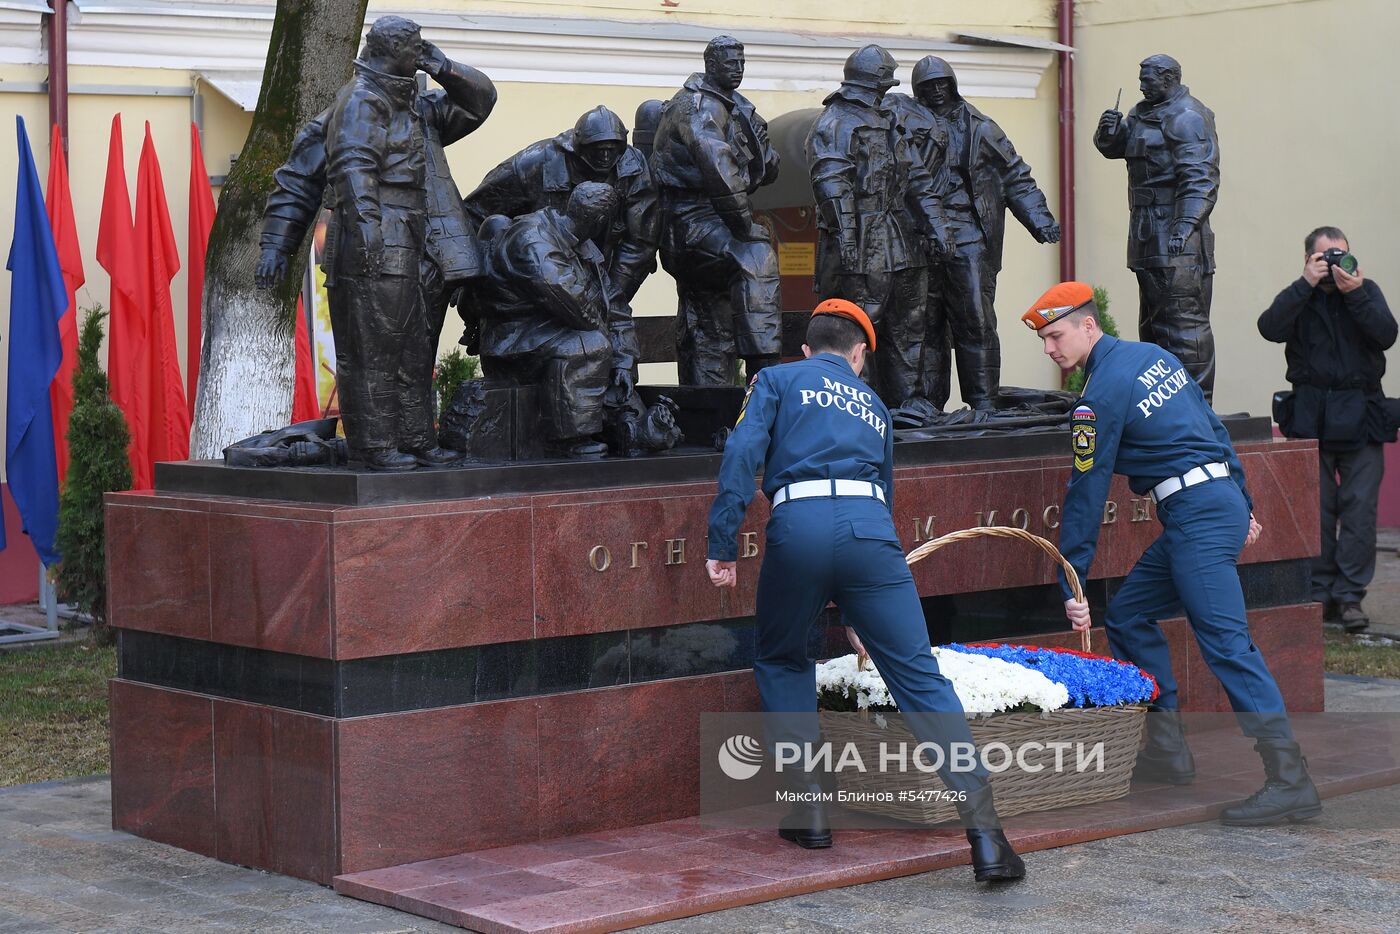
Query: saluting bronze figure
(398, 244)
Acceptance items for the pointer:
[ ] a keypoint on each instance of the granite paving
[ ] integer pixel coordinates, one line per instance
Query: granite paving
(63, 869)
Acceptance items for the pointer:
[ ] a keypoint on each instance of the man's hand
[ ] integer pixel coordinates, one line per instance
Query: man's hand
(723, 573)
(1110, 121)
(1181, 230)
(855, 642)
(939, 243)
(622, 378)
(1050, 233)
(371, 250)
(1347, 281)
(431, 59)
(1077, 612)
(1254, 531)
(850, 256)
(271, 269)
(1315, 269)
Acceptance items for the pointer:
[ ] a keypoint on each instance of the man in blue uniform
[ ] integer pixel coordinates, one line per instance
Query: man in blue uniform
(1142, 415)
(826, 445)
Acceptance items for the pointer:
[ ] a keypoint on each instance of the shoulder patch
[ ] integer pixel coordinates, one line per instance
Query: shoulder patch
(753, 381)
(1083, 414)
(1083, 439)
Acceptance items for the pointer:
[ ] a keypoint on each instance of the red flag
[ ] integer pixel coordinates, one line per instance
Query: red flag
(59, 202)
(115, 253)
(201, 222)
(168, 416)
(305, 403)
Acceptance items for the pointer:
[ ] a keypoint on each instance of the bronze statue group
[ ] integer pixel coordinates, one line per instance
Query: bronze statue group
(543, 258)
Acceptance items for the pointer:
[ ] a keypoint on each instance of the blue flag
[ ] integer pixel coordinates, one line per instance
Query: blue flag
(38, 298)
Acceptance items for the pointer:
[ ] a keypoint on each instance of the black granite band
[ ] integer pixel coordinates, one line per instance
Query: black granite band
(447, 677)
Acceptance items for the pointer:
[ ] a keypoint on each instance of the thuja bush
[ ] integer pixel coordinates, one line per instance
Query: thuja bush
(98, 464)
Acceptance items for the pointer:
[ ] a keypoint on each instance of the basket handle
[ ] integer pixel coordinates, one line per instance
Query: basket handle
(929, 547)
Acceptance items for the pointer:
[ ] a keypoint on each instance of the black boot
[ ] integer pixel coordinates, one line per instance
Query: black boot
(388, 460)
(434, 456)
(1166, 757)
(1288, 793)
(806, 824)
(993, 859)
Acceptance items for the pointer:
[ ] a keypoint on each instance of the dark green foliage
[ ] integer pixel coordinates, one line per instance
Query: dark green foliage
(1075, 383)
(453, 369)
(98, 464)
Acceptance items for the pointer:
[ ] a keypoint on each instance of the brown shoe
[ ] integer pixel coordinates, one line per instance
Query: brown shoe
(1354, 619)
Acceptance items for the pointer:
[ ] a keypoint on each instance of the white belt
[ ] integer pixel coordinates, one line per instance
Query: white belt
(1192, 477)
(805, 489)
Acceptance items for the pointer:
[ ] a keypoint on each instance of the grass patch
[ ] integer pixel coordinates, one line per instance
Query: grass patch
(1368, 656)
(53, 712)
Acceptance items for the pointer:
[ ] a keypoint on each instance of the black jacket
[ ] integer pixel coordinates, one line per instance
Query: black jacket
(1334, 344)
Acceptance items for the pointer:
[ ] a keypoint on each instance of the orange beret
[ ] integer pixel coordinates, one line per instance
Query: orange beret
(845, 309)
(1058, 301)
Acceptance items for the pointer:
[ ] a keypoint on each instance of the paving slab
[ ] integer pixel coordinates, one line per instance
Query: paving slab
(1338, 873)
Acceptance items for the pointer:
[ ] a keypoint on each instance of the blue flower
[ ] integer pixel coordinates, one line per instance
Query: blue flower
(1092, 680)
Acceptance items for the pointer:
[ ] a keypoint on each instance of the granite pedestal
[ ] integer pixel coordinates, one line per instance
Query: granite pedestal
(329, 673)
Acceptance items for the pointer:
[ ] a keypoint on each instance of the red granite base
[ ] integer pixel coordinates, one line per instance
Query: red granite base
(674, 869)
(233, 741)
(314, 796)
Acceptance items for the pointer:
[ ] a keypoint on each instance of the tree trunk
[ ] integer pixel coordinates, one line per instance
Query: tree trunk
(247, 359)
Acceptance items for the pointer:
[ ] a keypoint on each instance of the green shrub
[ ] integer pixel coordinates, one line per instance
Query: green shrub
(453, 369)
(1075, 382)
(98, 464)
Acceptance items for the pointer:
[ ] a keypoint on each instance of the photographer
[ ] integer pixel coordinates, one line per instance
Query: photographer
(1335, 327)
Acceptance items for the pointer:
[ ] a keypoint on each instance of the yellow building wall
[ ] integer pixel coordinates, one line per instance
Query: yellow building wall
(1304, 101)
(889, 17)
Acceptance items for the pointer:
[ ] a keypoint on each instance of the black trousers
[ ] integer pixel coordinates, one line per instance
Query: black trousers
(1350, 485)
(962, 325)
(895, 302)
(383, 362)
(1174, 314)
(572, 369)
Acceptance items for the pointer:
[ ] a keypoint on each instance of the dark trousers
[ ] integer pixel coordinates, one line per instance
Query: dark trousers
(727, 291)
(1350, 485)
(962, 313)
(384, 365)
(845, 550)
(1174, 314)
(572, 369)
(895, 302)
(1192, 564)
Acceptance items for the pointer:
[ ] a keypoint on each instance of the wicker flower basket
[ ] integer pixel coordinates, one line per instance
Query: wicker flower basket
(1017, 789)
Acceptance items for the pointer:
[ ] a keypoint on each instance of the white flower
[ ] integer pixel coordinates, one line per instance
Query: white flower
(983, 685)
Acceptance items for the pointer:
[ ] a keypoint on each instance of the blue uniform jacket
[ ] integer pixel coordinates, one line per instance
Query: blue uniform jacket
(813, 419)
(1143, 416)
